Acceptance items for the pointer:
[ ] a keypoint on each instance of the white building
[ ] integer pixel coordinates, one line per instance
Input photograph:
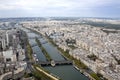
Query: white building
(9, 56)
(4, 39)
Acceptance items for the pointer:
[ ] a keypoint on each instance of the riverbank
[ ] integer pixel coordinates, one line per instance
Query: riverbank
(45, 73)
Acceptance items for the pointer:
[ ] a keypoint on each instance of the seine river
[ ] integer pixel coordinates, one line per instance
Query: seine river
(65, 72)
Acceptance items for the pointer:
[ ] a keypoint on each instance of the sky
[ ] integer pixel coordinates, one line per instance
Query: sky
(60, 8)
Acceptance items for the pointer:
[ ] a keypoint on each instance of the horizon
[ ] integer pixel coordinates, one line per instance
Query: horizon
(59, 17)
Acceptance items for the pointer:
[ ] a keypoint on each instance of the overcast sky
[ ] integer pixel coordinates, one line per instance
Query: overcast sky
(64, 8)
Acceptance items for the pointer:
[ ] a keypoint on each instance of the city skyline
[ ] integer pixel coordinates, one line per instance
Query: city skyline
(62, 8)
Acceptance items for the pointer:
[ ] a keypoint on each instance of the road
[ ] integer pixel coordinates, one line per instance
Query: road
(17, 74)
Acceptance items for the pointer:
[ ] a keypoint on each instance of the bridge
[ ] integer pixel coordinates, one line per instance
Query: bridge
(48, 63)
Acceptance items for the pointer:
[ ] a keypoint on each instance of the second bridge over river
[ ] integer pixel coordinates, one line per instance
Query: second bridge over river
(53, 63)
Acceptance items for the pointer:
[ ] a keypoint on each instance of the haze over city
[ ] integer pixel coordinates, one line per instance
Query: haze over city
(59, 8)
(59, 40)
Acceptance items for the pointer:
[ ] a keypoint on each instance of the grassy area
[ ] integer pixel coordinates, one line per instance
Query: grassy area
(36, 65)
(45, 77)
(44, 50)
(29, 51)
(101, 76)
(95, 76)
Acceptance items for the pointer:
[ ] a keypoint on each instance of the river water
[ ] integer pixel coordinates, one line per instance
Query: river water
(65, 72)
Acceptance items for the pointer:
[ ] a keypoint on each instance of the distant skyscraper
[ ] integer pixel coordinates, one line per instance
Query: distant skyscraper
(7, 38)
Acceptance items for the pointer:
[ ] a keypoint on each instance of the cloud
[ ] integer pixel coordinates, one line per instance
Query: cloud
(32, 4)
(56, 7)
(24, 4)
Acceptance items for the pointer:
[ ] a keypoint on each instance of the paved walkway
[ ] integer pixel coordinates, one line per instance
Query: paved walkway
(54, 78)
